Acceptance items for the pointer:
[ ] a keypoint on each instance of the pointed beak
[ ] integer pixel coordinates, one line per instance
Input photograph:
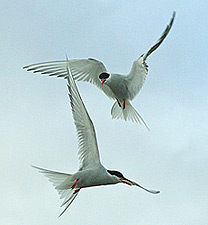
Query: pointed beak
(129, 182)
(103, 81)
(126, 181)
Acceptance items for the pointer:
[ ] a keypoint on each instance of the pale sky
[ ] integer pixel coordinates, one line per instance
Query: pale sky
(37, 128)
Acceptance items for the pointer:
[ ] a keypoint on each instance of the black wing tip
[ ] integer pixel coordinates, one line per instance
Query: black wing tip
(174, 13)
(154, 192)
(161, 39)
(171, 22)
(173, 18)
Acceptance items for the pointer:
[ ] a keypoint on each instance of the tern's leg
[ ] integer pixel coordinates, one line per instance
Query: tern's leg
(124, 104)
(73, 186)
(118, 102)
(77, 190)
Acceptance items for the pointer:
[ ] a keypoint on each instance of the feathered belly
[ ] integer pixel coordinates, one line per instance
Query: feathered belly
(93, 178)
(120, 91)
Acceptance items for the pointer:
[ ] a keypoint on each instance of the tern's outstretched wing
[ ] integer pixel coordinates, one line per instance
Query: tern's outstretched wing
(81, 69)
(138, 72)
(88, 149)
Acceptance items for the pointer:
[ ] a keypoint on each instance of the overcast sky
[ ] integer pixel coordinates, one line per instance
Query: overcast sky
(36, 125)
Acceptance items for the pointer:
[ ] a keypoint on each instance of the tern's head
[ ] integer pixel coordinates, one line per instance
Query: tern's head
(104, 77)
(120, 177)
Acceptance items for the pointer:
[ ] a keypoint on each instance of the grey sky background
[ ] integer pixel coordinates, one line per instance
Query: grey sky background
(36, 125)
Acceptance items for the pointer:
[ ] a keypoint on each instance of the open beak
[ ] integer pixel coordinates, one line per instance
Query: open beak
(103, 81)
(129, 182)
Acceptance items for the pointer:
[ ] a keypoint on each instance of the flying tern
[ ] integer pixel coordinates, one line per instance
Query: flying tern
(122, 88)
(91, 172)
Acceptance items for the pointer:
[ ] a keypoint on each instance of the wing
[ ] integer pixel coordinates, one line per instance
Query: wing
(81, 69)
(88, 149)
(139, 70)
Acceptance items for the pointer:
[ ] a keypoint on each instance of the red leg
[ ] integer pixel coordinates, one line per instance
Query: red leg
(118, 102)
(74, 184)
(77, 190)
(124, 104)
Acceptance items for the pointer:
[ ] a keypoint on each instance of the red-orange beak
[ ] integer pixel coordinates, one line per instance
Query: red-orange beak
(130, 183)
(103, 81)
(126, 181)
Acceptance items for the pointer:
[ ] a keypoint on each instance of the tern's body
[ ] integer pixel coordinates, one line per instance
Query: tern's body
(93, 177)
(119, 86)
(122, 88)
(91, 172)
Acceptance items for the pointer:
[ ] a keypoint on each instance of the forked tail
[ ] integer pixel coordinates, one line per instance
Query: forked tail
(129, 113)
(64, 184)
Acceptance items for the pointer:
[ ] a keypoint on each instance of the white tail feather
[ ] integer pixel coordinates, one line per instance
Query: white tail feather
(129, 113)
(63, 183)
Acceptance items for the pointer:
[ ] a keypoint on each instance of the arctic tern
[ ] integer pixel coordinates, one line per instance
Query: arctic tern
(91, 172)
(121, 88)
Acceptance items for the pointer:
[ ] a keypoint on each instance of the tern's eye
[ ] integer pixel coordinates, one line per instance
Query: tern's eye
(104, 76)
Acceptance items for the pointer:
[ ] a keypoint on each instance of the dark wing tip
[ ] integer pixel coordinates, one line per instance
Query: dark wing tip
(174, 13)
(162, 37)
(172, 19)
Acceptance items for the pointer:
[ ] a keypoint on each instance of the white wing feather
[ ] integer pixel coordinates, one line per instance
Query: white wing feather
(88, 149)
(81, 69)
(138, 72)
